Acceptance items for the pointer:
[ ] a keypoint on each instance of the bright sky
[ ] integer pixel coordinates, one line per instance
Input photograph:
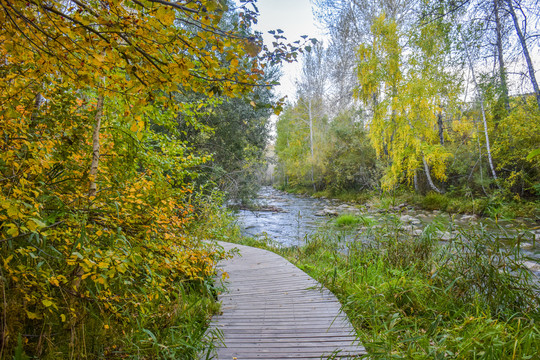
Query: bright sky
(295, 18)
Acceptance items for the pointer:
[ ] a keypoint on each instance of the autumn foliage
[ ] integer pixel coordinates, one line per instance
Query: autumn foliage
(88, 257)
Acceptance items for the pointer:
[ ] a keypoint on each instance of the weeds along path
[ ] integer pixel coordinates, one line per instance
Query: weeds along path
(273, 310)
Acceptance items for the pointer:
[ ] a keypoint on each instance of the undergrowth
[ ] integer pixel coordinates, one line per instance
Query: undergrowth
(145, 309)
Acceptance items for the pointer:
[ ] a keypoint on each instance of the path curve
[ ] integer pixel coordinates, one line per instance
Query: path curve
(273, 310)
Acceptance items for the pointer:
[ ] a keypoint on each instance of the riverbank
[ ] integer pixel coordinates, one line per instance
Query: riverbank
(419, 297)
(495, 207)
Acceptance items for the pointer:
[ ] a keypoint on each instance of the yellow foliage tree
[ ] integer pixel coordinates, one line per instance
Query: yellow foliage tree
(405, 99)
(95, 182)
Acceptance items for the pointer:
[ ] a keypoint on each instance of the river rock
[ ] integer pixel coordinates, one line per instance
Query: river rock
(407, 228)
(469, 217)
(445, 236)
(327, 211)
(417, 232)
(398, 207)
(409, 219)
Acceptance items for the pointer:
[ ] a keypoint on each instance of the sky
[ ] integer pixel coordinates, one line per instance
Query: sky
(295, 18)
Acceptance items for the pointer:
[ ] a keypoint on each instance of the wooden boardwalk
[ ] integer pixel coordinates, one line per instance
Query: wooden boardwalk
(273, 310)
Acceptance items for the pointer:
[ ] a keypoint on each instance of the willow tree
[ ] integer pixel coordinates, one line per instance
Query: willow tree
(406, 95)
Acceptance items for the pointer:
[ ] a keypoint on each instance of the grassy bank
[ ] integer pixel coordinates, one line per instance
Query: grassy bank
(418, 298)
(496, 206)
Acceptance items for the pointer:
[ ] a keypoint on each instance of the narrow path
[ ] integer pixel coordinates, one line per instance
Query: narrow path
(273, 310)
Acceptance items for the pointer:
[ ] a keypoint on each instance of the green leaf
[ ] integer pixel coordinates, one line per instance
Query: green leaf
(533, 154)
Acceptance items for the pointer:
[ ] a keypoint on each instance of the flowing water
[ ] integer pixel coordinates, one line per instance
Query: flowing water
(287, 219)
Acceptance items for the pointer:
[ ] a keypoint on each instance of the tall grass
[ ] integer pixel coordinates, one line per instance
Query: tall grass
(420, 298)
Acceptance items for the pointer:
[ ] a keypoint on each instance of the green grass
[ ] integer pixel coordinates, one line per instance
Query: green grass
(414, 298)
(347, 220)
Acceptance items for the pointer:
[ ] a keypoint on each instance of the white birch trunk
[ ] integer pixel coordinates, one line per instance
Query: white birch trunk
(311, 146)
(488, 147)
(428, 176)
(525, 51)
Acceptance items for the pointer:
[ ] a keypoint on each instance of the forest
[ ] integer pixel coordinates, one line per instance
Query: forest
(428, 97)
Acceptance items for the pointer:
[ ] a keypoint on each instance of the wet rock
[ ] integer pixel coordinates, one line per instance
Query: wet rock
(469, 217)
(417, 232)
(407, 228)
(327, 211)
(409, 220)
(445, 236)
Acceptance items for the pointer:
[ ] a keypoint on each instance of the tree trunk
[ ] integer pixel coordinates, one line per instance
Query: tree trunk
(525, 51)
(428, 176)
(95, 147)
(311, 146)
(488, 147)
(426, 167)
(35, 110)
(441, 128)
(502, 69)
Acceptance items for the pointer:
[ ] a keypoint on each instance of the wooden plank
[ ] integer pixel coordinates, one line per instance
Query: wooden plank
(273, 310)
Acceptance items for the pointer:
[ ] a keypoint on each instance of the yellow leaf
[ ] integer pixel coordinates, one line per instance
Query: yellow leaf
(47, 303)
(12, 230)
(13, 212)
(166, 16)
(63, 317)
(32, 315)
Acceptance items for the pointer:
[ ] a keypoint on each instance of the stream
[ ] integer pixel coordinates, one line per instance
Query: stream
(287, 219)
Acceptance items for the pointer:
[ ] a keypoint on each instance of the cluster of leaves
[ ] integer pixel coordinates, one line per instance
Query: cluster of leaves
(97, 174)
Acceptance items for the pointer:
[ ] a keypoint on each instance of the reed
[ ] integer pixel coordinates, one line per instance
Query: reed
(423, 298)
